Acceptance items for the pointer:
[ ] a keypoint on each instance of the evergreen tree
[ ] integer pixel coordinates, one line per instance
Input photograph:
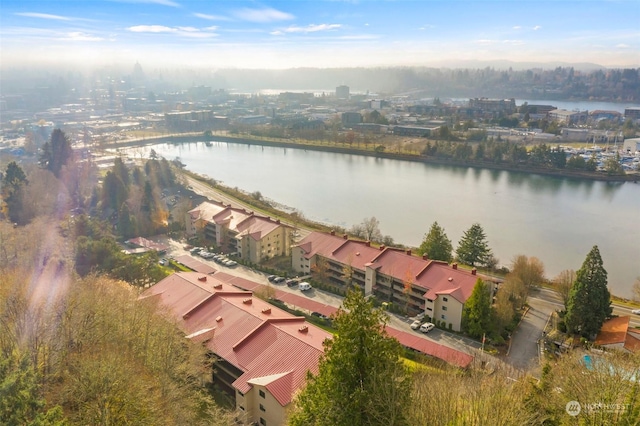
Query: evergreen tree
(56, 153)
(361, 378)
(476, 315)
(589, 302)
(473, 248)
(126, 222)
(436, 245)
(12, 183)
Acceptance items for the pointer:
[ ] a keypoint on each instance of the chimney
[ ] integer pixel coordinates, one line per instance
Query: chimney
(474, 271)
(218, 318)
(303, 329)
(367, 243)
(218, 286)
(247, 301)
(333, 232)
(202, 278)
(266, 311)
(425, 257)
(382, 247)
(278, 221)
(454, 265)
(409, 252)
(345, 236)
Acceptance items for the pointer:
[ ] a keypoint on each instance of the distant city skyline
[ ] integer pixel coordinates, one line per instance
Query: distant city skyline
(325, 34)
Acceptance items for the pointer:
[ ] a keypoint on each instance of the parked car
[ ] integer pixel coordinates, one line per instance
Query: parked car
(416, 324)
(163, 261)
(427, 327)
(319, 315)
(291, 282)
(304, 286)
(635, 311)
(278, 280)
(271, 277)
(230, 263)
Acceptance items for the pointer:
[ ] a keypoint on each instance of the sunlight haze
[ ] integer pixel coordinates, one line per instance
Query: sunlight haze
(284, 34)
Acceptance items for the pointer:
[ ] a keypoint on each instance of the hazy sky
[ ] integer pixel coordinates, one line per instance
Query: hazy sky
(329, 33)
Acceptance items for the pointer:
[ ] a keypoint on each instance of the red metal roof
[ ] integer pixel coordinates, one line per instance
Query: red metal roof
(195, 264)
(434, 277)
(430, 348)
(251, 334)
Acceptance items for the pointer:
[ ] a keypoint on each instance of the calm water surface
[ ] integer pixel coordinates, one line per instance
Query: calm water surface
(555, 219)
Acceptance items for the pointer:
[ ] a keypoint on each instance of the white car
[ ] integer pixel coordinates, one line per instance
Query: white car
(304, 286)
(635, 311)
(427, 327)
(416, 324)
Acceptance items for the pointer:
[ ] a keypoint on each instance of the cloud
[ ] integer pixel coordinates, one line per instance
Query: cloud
(80, 36)
(513, 42)
(190, 32)
(484, 42)
(170, 3)
(516, 27)
(427, 27)
(211, 17)
(622, 46)
(313, 28)
(536, 28)
(151, 29)
(44, 16)
(262, 15)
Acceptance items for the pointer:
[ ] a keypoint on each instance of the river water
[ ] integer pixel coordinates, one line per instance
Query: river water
(557, 220)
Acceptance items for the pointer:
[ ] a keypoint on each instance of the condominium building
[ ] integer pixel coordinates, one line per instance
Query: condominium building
(262, 354)
(248, 235)
(415, 283)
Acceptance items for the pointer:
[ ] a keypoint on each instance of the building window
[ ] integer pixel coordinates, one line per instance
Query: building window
(429, 309)
(444, 299)
(263, 422)
(261, 393)
(262, 408)
(443, 317)
(444, 308)
(241, 408)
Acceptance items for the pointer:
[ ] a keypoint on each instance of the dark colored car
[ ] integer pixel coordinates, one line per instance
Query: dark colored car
(291, 282)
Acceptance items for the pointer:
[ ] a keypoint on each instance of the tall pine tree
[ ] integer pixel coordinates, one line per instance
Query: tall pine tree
(476, 315)
(473, 248)
(361, 378)
(56, 153)
(589, 302)
(436, 245)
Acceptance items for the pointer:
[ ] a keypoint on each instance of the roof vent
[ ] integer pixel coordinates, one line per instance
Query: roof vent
(266, 311)
(218, 286)
(450, 279)
(247, 301)
(425, 257)
(345, 236)
(474, 271)
(357, 253)
(303, 329)
(454, 265)
(408, 252)
(382, 247)
(218, 318)
(202, 278)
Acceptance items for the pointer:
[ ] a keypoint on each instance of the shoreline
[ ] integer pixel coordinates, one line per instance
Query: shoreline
(560, 173)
